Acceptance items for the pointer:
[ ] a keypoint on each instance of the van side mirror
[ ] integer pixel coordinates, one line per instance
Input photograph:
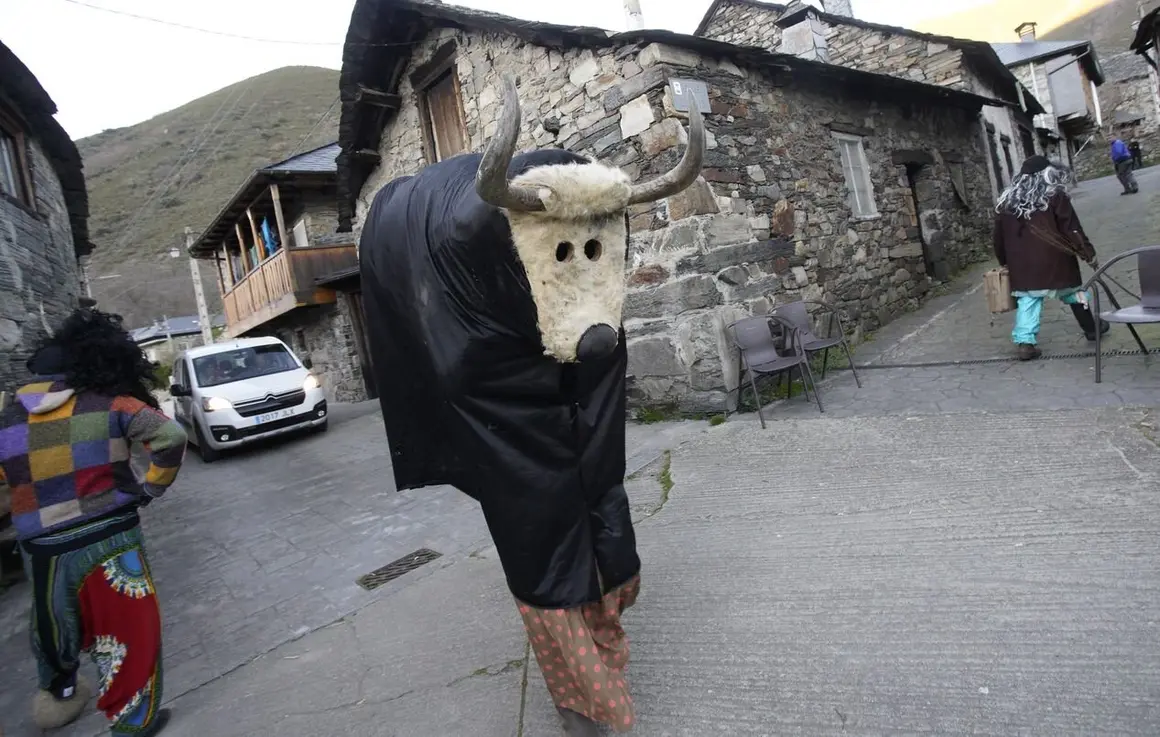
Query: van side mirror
(307, 363)
(176, 390)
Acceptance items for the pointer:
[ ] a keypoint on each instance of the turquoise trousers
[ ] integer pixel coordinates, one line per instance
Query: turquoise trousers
(1029, 311)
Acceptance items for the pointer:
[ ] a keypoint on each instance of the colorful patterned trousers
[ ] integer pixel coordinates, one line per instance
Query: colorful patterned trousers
(583, 654)
(92, 592)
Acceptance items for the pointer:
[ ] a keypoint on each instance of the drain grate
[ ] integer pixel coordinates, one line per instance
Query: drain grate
(394, 569)
(1000, 359)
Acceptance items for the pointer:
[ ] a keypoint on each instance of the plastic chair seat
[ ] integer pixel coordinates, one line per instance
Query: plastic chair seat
(772, 366)
(821, 344)
(1134, 315)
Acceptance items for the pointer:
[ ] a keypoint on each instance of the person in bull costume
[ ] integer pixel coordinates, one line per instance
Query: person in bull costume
(493, 287)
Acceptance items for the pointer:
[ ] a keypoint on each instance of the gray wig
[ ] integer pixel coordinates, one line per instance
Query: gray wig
(1031, 193)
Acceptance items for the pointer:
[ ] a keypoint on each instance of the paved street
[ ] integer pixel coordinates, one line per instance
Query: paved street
(951, 549)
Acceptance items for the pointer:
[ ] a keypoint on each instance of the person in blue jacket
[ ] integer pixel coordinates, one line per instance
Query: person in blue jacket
(1122, 159)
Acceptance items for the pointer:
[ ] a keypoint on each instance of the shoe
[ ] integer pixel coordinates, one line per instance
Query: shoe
(577, 725)
(1105, 326)
(159, 722)
(49, 712)
(1029, 352)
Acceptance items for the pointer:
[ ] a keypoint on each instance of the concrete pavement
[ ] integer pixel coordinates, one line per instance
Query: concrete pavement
(961, 574)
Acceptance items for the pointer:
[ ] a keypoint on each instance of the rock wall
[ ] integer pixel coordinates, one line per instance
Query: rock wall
(39, 275)
(912, 57)
(767, 223)
(745, 25)
(326, 336)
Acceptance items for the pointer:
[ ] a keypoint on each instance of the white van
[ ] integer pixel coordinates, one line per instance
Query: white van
(230, 394)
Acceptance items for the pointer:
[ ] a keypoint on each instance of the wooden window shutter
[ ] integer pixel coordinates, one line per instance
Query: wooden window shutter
(445, 116)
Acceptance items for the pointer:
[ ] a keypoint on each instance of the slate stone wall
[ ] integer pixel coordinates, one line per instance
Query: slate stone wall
(767, 223)
(40, 280)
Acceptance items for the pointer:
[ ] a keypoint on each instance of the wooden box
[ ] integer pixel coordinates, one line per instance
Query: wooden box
(997, 288)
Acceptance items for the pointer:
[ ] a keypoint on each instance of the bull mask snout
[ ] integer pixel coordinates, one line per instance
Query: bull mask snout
(597, 342)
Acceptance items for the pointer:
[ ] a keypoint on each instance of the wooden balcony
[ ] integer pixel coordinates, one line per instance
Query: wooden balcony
(283, 282)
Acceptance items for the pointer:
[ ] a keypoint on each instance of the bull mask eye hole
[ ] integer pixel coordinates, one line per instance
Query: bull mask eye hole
(564, 251)
(593, 249)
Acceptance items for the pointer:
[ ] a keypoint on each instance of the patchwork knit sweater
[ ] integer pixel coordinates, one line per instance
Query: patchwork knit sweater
(64, 455)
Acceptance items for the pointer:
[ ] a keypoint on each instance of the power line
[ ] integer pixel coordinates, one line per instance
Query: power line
(317, 123)
(227, 34)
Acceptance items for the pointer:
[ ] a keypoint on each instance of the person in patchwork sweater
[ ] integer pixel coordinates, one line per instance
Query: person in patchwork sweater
(65, 447)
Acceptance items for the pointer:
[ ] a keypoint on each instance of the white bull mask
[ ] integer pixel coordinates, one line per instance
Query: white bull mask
(568, 224)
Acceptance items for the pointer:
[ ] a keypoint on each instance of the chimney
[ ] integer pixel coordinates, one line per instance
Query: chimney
(840, 7)
(833, 7)
(1026, 32)
(633, 14)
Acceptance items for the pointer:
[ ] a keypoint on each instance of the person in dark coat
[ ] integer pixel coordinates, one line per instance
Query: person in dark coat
(1039, 238)
(1137, 154)
(493, 287)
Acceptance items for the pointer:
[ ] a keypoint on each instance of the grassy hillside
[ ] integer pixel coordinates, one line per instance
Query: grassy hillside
(995, 20)
(1109, 25)
(149, 181)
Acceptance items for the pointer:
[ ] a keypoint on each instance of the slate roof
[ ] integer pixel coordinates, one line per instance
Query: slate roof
(1145, 32)
(178, 326)
(320, 160)
(24, 91)
(1025, 52)
(382, 34)
(979, 52)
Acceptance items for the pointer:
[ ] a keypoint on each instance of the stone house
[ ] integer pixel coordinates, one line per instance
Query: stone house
(274, 244)
(165, 339)
(807, 30)
(44, 210)
(821, 182)
(1065, 76)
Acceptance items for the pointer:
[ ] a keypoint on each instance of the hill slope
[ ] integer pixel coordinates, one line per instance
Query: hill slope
(149, 181)
(995, 20)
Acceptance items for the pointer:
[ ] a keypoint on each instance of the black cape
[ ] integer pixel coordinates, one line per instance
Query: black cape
(469, 399)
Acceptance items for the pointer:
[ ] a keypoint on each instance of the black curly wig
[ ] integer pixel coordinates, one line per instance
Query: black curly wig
(95, 353)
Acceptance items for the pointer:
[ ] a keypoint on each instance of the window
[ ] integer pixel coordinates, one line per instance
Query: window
(14, 179)
(1007, 155)
(241, 364)
(857, 171)
(441, 104)
(443, 120)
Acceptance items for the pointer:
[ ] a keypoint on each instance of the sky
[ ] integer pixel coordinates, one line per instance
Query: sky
(108, 70)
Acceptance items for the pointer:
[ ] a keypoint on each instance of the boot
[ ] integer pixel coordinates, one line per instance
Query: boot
(49, 712)
(1087, 322)
(577, 725)
(1028, 352)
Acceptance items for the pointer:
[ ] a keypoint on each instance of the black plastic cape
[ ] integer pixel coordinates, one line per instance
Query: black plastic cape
(469, 398)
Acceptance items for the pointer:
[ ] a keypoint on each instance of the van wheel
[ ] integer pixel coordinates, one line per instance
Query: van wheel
(321, 428)
(208, 454)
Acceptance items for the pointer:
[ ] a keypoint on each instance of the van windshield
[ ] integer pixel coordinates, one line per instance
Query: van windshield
(242, 363)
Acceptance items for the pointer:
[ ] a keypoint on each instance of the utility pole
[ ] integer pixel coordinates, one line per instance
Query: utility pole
(169, 338)
(203, 318)
(635, 17)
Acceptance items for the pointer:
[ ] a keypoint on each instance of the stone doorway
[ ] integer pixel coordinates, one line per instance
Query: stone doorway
(927, 210)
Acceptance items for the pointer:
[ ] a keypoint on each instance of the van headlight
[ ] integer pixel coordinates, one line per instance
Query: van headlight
(215, 404)
(310, 383)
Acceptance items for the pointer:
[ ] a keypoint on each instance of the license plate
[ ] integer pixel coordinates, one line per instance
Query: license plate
(272, 416)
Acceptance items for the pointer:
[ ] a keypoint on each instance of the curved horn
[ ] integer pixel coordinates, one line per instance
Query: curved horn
(685, 172)
(491, 182)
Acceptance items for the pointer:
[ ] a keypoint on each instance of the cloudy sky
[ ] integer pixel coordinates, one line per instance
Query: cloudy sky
(108, 69)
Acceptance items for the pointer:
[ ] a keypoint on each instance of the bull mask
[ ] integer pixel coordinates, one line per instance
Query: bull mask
(568, 225)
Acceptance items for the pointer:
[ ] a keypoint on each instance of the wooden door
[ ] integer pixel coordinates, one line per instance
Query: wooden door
(358, 322)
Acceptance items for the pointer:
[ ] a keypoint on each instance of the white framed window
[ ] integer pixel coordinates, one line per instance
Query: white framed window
(855, 167)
